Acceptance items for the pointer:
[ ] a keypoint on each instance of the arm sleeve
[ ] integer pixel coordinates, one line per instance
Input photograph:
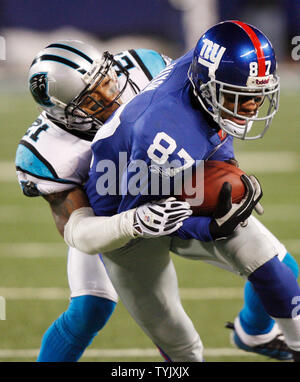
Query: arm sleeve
(98, 234)
(195, 227)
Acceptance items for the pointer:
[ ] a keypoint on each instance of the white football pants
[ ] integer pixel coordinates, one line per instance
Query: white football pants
(144, 277)
(87, 276)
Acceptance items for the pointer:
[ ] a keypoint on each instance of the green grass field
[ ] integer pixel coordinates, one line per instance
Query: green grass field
(33, 256)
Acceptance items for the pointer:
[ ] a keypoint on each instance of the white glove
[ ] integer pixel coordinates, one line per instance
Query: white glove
(160, 218)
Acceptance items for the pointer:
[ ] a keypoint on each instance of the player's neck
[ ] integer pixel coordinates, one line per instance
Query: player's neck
(85, 135)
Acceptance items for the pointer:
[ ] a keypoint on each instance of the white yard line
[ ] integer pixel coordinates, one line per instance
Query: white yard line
(28, 293)
(55, 293)
(280, 212)
(33, 250)
(19, 214)
(268, 162)
(211, 293)
(123, 353)
(7, 172)
(42, 250)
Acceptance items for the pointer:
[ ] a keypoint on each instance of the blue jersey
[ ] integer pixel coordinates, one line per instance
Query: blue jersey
(162, 131)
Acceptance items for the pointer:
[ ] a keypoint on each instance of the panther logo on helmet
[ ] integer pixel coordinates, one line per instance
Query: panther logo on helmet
(38, 84)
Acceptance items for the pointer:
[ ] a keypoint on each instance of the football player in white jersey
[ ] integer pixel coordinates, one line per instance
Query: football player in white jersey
(61, 79)
(71, 80)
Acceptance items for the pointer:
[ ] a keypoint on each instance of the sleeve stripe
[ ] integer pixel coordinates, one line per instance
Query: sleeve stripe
(142, 65)
(58, 180)
(48, 174)
(40, 157)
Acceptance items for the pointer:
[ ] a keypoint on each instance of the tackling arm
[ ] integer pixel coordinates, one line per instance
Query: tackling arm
(63, 203)
(93, 234)
(76, 222)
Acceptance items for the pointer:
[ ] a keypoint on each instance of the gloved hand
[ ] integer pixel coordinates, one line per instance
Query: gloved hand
(160, 218)
(258, 208)
(227, 215)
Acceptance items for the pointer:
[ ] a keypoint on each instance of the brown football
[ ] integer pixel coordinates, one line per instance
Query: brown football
(215, 174)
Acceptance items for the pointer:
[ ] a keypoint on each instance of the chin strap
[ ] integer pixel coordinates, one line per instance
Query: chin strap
(234, 129)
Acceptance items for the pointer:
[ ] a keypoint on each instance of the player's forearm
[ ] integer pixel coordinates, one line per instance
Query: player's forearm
(195, 227)
(98, 234)
(63, 203)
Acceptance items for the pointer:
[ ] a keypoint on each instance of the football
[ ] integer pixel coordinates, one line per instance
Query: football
(215, 174)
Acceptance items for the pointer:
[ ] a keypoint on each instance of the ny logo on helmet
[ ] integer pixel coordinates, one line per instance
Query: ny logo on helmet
(39, 89)
(211, 53)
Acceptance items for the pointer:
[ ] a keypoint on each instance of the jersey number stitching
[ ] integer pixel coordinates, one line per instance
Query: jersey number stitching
(166, 150)
(35, 136)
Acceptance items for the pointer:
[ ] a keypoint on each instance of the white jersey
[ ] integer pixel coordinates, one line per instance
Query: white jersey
(51, 158)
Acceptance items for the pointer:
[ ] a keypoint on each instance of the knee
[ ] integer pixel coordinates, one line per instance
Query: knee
(277, 286)
(88, 314)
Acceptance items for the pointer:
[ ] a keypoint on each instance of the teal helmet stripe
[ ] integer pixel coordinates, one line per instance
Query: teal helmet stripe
(71, 49)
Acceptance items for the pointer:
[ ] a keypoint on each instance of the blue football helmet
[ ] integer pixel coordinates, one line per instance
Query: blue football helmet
(234, 62)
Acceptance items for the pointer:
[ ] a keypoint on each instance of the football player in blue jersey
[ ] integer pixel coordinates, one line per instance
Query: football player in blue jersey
(191, 112)
(73, 84)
